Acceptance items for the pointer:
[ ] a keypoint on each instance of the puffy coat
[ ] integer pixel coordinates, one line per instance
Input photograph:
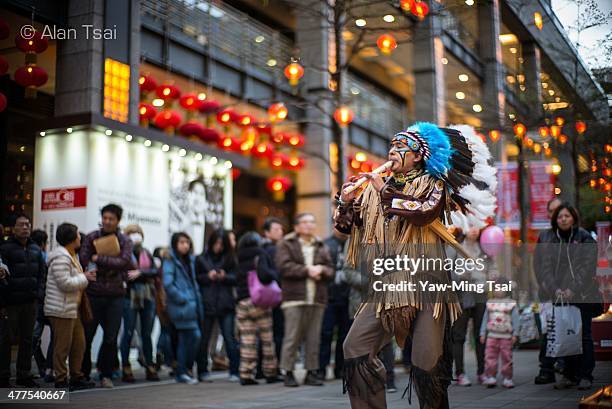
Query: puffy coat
(27, 271)
(111, 273)
(183, 301)
(218, 295)
(65, 282)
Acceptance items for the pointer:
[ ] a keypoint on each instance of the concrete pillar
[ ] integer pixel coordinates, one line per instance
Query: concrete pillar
(430, 90)
(532, 69)
(313, 185)
(79, 69)
(491, 56)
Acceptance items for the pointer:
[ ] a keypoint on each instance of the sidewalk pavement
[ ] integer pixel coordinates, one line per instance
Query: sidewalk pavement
(222, 394)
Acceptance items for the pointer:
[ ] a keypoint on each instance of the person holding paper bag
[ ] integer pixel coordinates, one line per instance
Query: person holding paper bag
(111, 252)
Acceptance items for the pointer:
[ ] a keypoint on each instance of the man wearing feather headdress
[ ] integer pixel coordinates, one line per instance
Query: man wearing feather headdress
(434, 172)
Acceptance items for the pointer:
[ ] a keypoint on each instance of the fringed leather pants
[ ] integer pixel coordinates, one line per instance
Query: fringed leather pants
(364, 374)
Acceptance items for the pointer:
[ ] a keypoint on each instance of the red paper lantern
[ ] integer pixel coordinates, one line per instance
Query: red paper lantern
(559, 120)
(146, 111)
(519, 130)
(31, 76)
(278, 184)
(295, 163)
(168, 91)
(226, 116)
(294, 72)
(354, 163)
(236, 173)
(229, 143)
(3, 102)
(190, 102)
(277, 112)
(544, 131)
(5, 31)
(562, 139)
(343, 116)
(366, 166)
(3, 65)
(167, 119)
(146, 83)
(264, 128)
(386, 43)
(263, 150)
(35, 45)
(209, 106)
(296, 140)
(406, 5)
(420, 9)
(210, 135)
(494, 135)
(581, 127)
(191, 129)
(279, 137)
(278, 160)
(244, 120)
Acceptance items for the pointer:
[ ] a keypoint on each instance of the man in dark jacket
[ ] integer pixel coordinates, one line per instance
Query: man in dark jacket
(107, 292)
(306, 268)
(23, 290)
(336, 313)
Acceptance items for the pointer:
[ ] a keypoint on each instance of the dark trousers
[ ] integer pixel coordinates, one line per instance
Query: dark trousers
(336, 315)
(459, 332)
(226, 325)
(187, 349)
(42, 362)
(147, 318)
(547, 364)
(579, 367)
(107, 312)
(19, 324)
(167, 343)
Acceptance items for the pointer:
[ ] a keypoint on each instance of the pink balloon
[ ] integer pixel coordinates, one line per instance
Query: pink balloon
(492, 240)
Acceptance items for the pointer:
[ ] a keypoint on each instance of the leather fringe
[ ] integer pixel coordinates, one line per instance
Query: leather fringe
(365, 369)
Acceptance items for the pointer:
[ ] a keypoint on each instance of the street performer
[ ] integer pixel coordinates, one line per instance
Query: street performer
(437, 175)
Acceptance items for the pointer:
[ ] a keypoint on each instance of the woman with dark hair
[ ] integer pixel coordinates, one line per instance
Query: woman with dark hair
(253, 319)
(567, 260)
(66, 283)
(216, 273)
(183, 303)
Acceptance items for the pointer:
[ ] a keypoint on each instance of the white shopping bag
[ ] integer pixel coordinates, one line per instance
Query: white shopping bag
(564, 335)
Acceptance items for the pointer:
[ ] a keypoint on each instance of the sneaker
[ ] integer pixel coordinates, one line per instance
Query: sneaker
(312, 380)
(564, 383)
(490, 382)
(248, 381)
(463, 380)
(184, 378)
(290, 380)
(585, 384)
(391, 388)
(507, 383)
(481, 379)
(544, 378)
(234, 378)
(205, 377)
(107, 383)
(27, 383)
(127, 375)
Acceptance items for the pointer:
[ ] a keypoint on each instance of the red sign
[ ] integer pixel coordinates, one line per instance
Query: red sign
(508, 209)
(541, 185)
(66, 198)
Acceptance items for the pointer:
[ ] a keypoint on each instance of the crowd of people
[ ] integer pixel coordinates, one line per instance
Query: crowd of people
(109, 279)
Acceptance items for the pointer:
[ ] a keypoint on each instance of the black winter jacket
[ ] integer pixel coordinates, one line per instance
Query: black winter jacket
(27, 272)
(566, 261)
(246, 262)
(218, 295)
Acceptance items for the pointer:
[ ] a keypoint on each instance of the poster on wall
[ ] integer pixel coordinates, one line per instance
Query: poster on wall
(508, 211)
(196, 201)
(541, 185)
